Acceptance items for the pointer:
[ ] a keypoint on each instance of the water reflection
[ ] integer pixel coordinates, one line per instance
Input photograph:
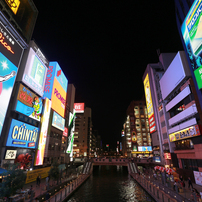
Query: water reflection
(110, 183)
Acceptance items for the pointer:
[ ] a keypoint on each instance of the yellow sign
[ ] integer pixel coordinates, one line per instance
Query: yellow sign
(185, 133)
(139, 152)
(13, 4)
(32, 175)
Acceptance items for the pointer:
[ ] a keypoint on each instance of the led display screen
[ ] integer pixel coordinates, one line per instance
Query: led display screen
(35, 72)
(79, 107)
(58, 98)
(22, 135)
(9, 46)
(185, 133)
(8, 73)
(29, 103)
(192, 35)
(144, 148)
(58, 122)
(43, 133)
(54, 71)
(150, 110)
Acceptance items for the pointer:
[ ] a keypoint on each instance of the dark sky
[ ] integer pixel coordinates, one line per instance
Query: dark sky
(103, 47)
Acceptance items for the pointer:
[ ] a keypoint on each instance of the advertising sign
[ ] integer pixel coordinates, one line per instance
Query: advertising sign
(22, 135)
(35, 72)
(157, 159)
(8, 73)
(43, 133)
(150, 110)
(13, 4)
(167, 156)
(58, 122)
(71, 133)
(192, 35)
(185, 133)
(54, 71)
(134, 137)
(29, 103)
(65, 132)
(9, 46)
(58, 98)
(145, 148)
(10, 154)
(198, 177)
(79, 107)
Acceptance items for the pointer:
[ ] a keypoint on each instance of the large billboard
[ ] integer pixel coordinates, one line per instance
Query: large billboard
(58, 122)
(192, 34)
(54, 71)
(8, 73)
(79, 107)
(29, 103)
(22, 135)
(150, 110)
(58, 98)
(35, 72)
(23, 14)
(43, 133)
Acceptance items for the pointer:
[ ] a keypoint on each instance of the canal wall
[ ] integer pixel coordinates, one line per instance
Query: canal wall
(158, 191)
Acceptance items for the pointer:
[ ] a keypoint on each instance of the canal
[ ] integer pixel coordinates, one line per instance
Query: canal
(110, 183)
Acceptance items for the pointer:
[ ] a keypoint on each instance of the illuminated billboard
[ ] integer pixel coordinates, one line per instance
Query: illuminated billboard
(8, 73)
(9, 46)
(185, 133)
(22, 135)
(29, 103)
(79, 107)
(54, 71)
(71, 133)
(58, 98)
(144, 148)
(58, 122)
(35, 72)
(150, 110)
(65, 132)
(23, 14)
(43, 133)
(192, 35)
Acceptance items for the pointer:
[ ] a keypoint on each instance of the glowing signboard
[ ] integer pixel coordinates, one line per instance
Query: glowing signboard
(58, 121)
(43, 133)
(192, 35)
(35, 72)
(150, 110)
(167, 156)
(8, 73)
(144, 148)
(58, 98)
(65, 132)
(13, 4)
(79, 107)
(54, 71)
(22, 135)
(10, 154)
(185, 133)
(29, 103)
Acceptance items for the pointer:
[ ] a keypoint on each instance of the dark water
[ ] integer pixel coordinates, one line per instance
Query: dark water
(108, 184)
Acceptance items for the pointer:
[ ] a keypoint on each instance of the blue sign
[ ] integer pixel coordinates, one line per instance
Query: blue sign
(157, 159)
(22, 135)
(54, 71)
(58, 121)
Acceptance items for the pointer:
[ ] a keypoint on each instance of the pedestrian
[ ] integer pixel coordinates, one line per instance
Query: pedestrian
(31, 193)
(181, 178)
(39, 180)
(190, 183)
(47, 195)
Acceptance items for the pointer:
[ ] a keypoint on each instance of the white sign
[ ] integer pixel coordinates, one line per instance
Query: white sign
(198, 177)
(11, 154)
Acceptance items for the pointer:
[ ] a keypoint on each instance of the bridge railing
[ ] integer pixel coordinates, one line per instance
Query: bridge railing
(110, 160)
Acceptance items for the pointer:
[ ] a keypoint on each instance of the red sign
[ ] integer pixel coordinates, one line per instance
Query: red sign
(65, 132)
(79, 107)
(167, 156)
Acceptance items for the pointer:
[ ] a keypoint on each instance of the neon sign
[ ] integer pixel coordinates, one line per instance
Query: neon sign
(4, 43)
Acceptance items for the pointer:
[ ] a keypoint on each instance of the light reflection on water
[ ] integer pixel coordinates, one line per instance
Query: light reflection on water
(108, 184)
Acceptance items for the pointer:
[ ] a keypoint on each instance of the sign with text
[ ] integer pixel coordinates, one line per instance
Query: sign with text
(35, 72)
(79, 107)
(144, 148)
(150, 110)
(185, 133)
(22, 135)
(10, 154)
(167, 156)
(58, 122)
(65, 132)
(192, 35)
(29, 103)
(8, 73)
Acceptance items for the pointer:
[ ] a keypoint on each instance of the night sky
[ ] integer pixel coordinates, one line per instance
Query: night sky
(103, 47)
